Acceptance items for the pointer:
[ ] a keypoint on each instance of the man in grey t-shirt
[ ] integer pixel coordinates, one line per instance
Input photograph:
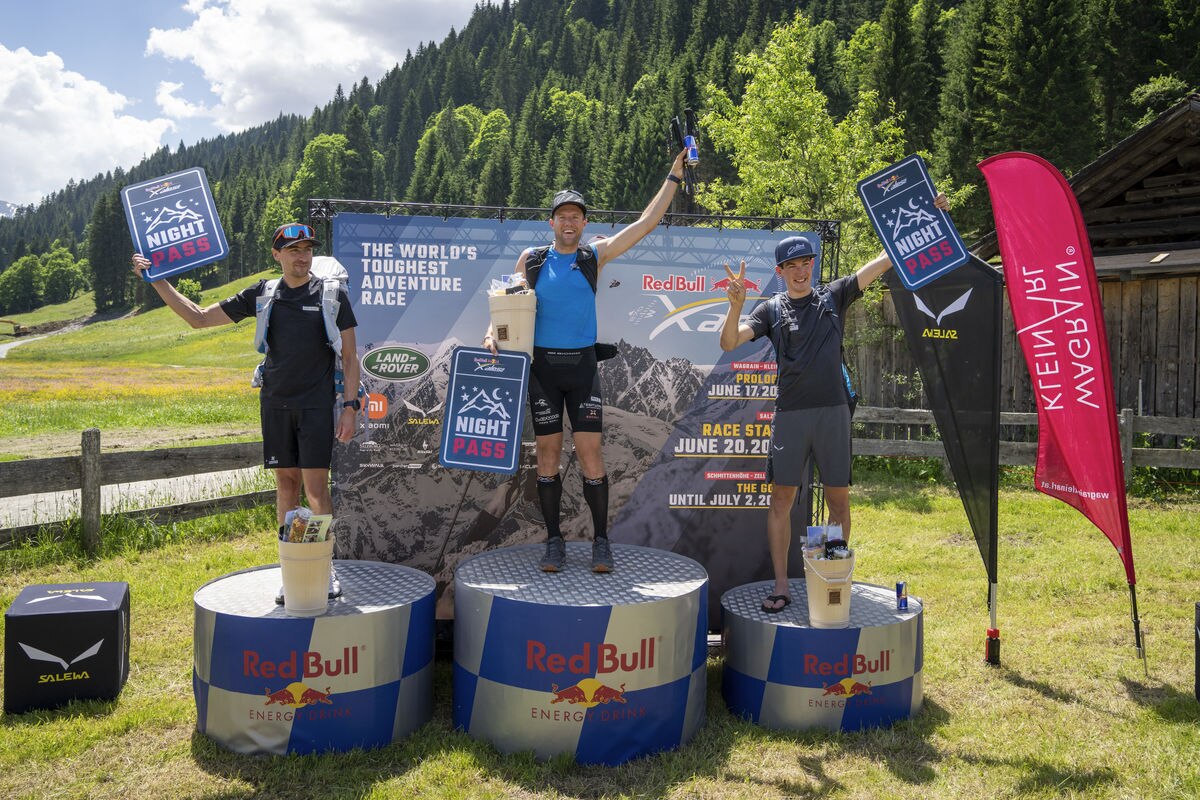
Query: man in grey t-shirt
(812, 412)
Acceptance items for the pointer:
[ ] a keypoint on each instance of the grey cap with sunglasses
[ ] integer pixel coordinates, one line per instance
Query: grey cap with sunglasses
(293, 233)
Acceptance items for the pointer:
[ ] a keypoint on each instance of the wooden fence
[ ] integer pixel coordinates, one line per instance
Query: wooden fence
(889, 432)
(1153, 344)
(90, 470)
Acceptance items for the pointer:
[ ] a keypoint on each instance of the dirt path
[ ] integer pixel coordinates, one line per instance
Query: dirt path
(49, 445)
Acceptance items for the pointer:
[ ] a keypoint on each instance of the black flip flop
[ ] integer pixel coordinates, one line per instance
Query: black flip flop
(775, 598)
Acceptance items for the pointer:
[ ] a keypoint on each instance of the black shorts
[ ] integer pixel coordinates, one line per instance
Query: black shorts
(297, 437)
(567, 378)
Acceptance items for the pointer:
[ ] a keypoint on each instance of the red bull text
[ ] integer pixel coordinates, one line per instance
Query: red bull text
(313, 664)
(608, 658)
(813, 665)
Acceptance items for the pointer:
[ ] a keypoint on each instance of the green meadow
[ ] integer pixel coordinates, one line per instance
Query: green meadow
(1071, 712)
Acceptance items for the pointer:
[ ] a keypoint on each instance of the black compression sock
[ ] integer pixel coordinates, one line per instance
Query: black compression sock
(549, 489)
(595, 491)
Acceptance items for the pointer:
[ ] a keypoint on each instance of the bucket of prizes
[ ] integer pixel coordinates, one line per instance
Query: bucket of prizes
(513, 305)
(305, 559)
(828, 571)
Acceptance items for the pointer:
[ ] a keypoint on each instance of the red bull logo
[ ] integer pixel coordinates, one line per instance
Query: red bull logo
(295, 698)
(723, 284)
(607, 658)
(846, 687)
(310, 664)
(673, 283)
(297, 695)
(588, 692)
(813, 665)
(589, 700)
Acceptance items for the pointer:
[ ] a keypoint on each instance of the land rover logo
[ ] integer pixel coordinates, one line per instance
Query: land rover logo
(395, 363)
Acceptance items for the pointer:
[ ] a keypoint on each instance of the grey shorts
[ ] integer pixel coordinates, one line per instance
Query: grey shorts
(823, 432)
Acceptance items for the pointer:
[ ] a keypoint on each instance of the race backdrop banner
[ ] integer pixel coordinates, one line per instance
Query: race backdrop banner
(173, 222)
(686, 426)
(1055, 300)
(953, 329)
(485, 405)
(919, 237)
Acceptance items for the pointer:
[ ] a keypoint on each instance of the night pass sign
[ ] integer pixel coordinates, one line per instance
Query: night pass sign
(918, 236)
(173, 222)
(485, 408)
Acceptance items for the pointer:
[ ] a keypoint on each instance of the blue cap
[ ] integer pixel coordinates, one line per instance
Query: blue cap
(794, 247)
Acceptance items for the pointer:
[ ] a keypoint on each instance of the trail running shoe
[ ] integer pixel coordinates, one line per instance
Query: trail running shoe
(556, 555)
(602, 558)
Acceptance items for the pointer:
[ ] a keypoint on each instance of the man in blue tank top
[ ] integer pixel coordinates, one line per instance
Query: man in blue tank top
(563, 375)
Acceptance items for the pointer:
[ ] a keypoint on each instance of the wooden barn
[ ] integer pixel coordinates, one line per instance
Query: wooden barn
(1141, 203)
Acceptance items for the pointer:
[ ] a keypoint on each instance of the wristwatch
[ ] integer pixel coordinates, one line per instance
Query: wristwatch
(356, 404)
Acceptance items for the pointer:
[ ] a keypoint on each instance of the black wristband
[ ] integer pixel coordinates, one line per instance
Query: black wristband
(674, 179)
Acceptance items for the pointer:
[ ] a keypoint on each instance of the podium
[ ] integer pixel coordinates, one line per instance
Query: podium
(783, 673)
(361, 675)
(603, 667)
(63, 642)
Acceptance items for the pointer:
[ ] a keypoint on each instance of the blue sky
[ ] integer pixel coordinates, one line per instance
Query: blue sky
(88, 85)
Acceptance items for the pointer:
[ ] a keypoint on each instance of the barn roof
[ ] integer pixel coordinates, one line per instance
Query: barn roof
(1141, 199)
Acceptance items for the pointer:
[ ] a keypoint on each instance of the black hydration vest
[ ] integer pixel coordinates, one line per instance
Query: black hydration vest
(587, 263)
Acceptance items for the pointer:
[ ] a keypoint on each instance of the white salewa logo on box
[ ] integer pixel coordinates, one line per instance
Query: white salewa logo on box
(68, 594)
(41, 655)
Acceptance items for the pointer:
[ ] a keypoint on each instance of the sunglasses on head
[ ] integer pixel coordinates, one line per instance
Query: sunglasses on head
(295, 232)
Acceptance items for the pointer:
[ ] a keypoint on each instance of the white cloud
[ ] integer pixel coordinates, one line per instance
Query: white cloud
(177, 107)
(261, 58)
(56, 124)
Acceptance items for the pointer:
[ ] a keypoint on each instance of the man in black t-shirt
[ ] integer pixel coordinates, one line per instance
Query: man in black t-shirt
(812, 412)
(298, 383)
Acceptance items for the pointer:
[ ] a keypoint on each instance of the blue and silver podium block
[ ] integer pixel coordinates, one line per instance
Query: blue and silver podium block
(604, 667)
(782, 673)
(359, 676)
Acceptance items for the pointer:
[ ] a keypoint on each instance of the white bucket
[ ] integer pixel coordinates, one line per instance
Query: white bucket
(512, 320)
(305, 567)
(828, 584)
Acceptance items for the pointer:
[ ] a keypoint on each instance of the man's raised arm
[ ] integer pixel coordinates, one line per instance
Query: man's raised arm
(191, 313)
(627, 237)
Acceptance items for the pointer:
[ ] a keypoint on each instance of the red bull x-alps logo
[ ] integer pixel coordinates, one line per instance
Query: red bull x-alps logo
(891, 183)
(589, 698)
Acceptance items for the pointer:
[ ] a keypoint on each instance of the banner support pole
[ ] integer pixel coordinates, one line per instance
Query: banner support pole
(1138, 644)
(991, 644)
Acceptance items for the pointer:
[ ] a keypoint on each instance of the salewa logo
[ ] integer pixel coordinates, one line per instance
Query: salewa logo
(41, 655)
(957, 305)
(421, 412)
(66, 594)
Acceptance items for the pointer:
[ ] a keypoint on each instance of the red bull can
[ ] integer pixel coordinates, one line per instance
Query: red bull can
(693, 151)
(901, 596)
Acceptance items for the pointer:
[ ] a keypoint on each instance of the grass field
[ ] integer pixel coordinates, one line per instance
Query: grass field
(126, 376)
(1070, 712)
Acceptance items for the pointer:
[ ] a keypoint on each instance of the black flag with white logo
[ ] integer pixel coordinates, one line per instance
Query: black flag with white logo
(953, 330)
